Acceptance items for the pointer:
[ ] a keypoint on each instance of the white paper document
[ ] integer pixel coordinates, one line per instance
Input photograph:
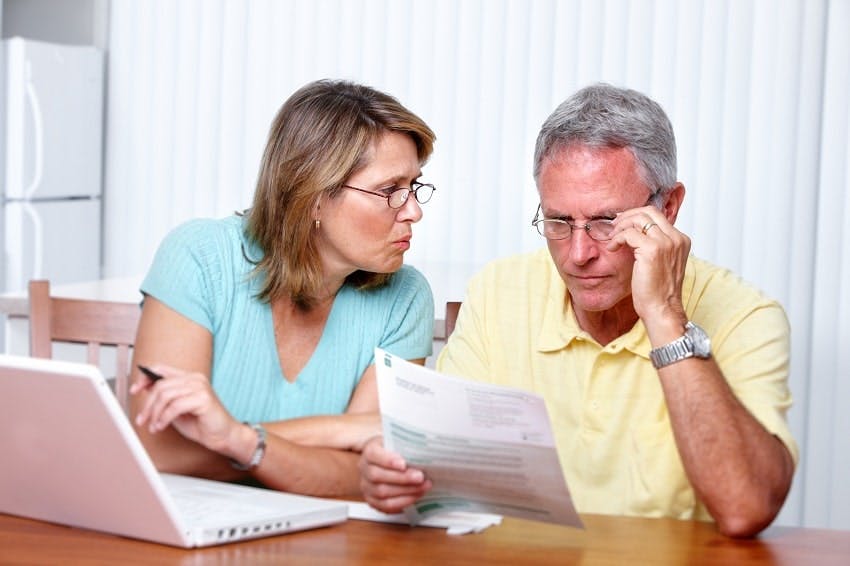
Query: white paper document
(455, 522)
(486, 448)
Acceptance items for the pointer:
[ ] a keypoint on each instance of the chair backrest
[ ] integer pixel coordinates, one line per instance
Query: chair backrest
(82, 321)
(452, 308)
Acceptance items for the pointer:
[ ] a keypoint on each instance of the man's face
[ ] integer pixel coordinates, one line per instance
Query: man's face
(579, 184)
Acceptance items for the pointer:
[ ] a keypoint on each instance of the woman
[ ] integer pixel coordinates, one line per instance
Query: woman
(263, 325)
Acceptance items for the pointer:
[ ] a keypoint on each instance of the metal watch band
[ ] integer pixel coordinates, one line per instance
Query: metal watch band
(677, 350)
(695, 343)
(259, 451)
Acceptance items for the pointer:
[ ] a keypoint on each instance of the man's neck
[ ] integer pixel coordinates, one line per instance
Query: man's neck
(605, 326)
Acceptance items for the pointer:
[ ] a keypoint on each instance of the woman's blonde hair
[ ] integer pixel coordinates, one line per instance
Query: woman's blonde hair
(320, 137)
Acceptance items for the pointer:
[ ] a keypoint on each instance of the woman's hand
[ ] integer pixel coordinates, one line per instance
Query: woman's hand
(186, 401)
(386, 482)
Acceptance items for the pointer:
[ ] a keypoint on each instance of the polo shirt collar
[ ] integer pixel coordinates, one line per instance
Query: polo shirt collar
(560, 328)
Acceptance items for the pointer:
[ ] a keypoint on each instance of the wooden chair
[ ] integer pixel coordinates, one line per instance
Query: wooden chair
(452, 308)
(91, 322)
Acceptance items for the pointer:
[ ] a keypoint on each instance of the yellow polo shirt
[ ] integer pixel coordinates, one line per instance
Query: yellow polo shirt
(607, 408)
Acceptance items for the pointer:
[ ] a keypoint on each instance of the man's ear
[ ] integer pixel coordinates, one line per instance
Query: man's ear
(673, 202)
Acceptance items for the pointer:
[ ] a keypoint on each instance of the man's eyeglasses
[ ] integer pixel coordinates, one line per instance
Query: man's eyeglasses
(422, 192)
(599, 229)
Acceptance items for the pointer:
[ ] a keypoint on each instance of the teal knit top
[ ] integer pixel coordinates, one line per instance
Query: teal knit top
(202, 271)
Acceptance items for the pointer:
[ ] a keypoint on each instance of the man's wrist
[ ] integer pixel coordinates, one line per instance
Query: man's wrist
(663, 330)
(694, 343)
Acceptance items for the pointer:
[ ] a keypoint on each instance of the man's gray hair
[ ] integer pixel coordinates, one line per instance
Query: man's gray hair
(602, 115)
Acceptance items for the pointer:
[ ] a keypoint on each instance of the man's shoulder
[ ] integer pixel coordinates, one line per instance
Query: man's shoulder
(517, 266)
(708, 274)
(512, 281)
(721, 288)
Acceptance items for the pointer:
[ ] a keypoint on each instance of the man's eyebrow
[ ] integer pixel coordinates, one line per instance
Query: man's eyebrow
(603, 215)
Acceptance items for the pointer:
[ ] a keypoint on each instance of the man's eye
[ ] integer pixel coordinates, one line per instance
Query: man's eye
(388, 191)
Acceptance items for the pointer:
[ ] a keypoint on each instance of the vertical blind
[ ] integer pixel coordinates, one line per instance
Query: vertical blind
(757, 91)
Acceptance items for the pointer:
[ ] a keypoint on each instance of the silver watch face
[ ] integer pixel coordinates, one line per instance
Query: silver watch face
(700, 340)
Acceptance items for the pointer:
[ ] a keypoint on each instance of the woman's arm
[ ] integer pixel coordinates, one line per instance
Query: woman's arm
(165, 337)
(350, 431)
(186, 429)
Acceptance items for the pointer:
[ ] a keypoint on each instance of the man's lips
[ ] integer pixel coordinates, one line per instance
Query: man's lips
(587, 279)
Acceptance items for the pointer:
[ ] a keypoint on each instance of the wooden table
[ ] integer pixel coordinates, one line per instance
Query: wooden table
(607, 540)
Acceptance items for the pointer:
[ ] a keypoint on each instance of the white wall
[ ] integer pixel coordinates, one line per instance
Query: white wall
(76, 22)
(756, 89)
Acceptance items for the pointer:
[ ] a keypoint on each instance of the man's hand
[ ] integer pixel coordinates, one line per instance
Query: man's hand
(661, 253)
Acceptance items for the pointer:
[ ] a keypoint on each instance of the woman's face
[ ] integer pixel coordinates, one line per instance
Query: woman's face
(359, 231)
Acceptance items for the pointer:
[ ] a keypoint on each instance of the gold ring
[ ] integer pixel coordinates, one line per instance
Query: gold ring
(647, 226)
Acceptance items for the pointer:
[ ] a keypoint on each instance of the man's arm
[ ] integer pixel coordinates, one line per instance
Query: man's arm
(738, 468)
(466, 351)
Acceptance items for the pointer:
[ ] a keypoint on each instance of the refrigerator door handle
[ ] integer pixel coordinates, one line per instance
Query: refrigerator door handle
(37, 240)
(38, 135)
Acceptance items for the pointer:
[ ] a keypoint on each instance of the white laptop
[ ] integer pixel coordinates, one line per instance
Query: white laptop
(70, 456)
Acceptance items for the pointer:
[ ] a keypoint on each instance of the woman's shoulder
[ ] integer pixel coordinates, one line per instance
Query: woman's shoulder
(404, 286)
(198, 227)
(201, 233)
(407, 281)
(409, 275)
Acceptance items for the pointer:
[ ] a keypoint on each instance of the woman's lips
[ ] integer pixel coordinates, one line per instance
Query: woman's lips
(403, 244)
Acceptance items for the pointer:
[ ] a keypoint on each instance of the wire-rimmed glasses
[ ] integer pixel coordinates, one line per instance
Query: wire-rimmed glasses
(600, 229)
(422, 192)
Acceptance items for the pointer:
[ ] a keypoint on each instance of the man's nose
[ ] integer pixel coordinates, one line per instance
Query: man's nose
(583, 248)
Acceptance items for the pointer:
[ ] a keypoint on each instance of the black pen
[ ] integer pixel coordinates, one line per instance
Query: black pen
(152, 375)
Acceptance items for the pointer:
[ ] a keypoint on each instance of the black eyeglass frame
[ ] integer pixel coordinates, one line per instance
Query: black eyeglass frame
(414, 189)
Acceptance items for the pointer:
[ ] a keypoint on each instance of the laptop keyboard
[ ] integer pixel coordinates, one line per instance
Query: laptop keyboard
(205, 506)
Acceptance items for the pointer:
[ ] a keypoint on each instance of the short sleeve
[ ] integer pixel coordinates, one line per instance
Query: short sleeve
(465, 352)
(184, 271)
(410, 327)
(753, 353)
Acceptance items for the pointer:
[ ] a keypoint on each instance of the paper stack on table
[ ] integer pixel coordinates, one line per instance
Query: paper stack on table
(455, 523)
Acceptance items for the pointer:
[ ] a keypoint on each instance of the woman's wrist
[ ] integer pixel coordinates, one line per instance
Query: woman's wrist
(248, 446)
(251, 458)
(239, 444)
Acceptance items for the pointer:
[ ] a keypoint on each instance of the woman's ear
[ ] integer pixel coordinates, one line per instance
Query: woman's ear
(316, 213)
(317, 208)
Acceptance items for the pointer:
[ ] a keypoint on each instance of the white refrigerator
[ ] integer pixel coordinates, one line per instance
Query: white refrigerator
(51, 144)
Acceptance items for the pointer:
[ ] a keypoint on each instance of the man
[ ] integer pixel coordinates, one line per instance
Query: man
(665, 376)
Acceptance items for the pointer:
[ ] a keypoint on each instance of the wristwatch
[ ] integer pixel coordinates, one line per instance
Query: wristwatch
(259, 450)
(694, 344)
